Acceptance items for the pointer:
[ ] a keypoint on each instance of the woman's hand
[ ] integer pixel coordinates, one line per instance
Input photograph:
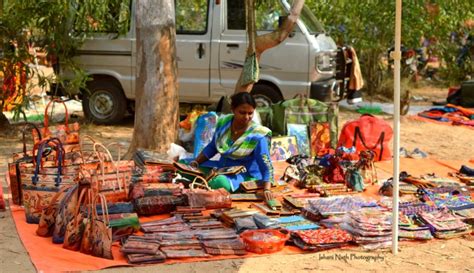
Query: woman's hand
(267, 195)
(194, 164)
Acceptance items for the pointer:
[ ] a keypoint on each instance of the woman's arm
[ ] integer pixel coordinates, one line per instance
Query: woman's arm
(208, 152)
(262, 155)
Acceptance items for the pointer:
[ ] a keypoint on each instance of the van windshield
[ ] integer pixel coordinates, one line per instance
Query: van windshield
(310, 21)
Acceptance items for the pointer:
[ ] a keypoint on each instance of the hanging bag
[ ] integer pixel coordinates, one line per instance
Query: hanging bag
(251, 69)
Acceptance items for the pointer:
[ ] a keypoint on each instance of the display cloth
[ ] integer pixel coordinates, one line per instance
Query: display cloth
(49, 257)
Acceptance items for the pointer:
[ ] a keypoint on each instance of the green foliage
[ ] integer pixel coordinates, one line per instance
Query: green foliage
(59, 28)
(369, 26)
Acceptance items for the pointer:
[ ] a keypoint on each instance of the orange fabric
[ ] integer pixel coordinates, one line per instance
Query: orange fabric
(414, 117)
(465, 111)
(48, 257)
(356, 82)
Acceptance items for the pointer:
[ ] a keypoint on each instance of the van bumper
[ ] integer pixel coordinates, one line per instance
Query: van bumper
(323, 90)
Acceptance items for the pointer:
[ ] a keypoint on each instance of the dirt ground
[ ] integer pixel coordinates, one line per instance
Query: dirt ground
(439, 141)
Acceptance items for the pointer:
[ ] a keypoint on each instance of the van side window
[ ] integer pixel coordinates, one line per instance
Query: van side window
(266, 17)
(191, 16)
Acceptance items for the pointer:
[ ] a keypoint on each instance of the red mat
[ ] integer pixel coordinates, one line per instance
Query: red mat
(48, 257)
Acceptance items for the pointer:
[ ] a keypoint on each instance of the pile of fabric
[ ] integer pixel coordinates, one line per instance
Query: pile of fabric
(321, 239)
(337, 205)
(444, 224)
(456, 115)
(411, 229)
(371, 227)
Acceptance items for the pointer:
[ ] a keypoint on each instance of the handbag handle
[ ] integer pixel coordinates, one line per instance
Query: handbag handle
(81, 145)
(23, 132)
(101, 162)
(58, 148)
(39, 162)
(105, 210)
(358, 134)
(46, 117)
(82, 197)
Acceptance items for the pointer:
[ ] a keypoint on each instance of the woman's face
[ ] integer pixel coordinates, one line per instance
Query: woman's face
(243, 114)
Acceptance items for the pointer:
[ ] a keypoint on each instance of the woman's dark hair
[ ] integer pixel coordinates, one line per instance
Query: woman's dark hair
(242, 98)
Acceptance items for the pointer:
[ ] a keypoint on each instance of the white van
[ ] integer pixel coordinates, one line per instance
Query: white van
(211, 45)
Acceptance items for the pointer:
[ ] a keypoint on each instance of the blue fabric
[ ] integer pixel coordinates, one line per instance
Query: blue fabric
(258, 163)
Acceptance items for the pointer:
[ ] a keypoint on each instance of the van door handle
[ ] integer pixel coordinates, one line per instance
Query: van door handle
(232, 45)
(200, 50)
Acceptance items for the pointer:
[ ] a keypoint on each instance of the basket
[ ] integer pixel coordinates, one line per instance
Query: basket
(265, 240)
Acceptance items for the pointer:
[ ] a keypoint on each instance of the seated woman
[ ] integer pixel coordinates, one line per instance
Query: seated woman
(240, 142)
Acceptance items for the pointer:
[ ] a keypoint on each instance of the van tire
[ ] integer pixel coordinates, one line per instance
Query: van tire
(105, 103)
(265, 95)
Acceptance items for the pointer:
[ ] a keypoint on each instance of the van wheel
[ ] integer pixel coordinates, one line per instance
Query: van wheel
(105, 104)
(265, 95)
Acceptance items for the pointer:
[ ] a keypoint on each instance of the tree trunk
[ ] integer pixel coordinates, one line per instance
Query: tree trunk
(272, 39)
(5, 126)
(157, 105)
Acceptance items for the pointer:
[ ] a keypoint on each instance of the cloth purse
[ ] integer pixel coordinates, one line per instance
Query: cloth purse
(75, 228)
(213, 199)
(13, 168)
(123, 224)
(67, 134)
(48, 216)
(101, 231)
(154, 205)
(46, 180)
(66, 209)
(110, 178)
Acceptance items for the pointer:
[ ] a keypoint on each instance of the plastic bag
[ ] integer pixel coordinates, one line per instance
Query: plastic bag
(205, 128)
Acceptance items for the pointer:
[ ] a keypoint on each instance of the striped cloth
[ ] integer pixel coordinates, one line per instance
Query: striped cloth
(244, 145)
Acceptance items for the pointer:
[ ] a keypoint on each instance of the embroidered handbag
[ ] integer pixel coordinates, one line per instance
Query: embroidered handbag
(75, 228)
(66, 208)
(46, 180)
(154, 205)
(67, 134)
(13, 168)
(48, 216)
(101, 231)
(213, 199)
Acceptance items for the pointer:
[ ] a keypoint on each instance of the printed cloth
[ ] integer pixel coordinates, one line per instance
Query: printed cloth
(448, 197)
(324, 236)
(413, 208)
(244, 145)
(296, 223)
(443, 220)
(369, 226)
(424, 234)
(338, 205)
